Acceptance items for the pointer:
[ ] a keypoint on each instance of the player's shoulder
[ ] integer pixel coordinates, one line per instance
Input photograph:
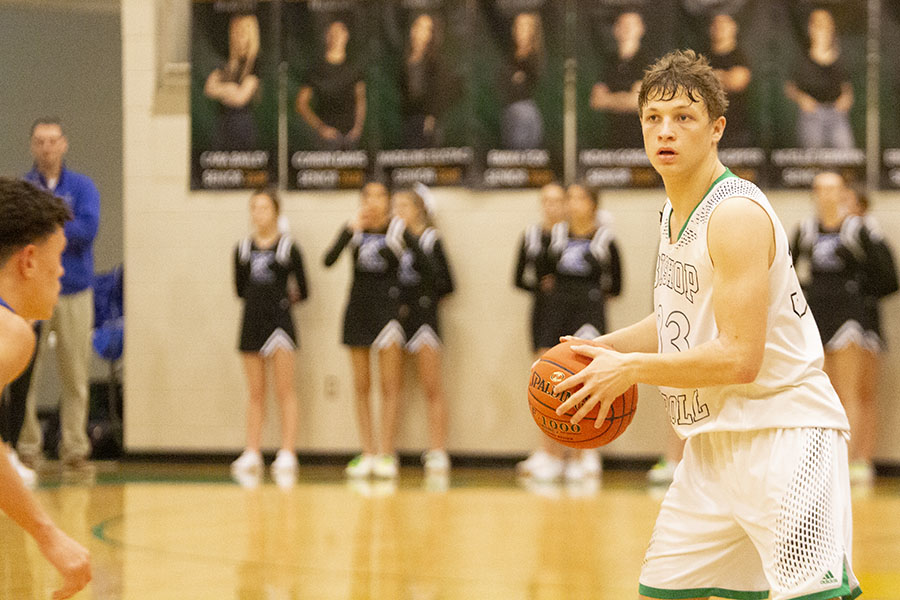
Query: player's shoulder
(16, 341)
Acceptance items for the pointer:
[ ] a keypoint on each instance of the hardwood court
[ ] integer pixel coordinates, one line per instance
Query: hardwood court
(188, 533)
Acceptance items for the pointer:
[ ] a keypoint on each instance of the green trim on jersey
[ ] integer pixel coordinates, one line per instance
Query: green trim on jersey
(645, 590)
(724, 175)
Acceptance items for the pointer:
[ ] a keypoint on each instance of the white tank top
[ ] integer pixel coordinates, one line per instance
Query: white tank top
(791, 390)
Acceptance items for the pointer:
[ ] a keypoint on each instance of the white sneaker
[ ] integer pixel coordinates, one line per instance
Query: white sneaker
(524, 467)
(285, 465)
(360, 465)
(662, 472)
(386, 466)
(250, 462)
(861, 473)
(29, 476)
(542, 466)
(436, 462)
(575, 471)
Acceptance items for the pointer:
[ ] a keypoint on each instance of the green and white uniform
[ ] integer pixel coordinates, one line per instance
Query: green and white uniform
(761, 500)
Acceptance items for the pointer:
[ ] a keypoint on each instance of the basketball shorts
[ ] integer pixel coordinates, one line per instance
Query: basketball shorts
(755, 515)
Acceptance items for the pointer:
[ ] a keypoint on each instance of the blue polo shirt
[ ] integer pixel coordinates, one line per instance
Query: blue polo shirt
(80, 193)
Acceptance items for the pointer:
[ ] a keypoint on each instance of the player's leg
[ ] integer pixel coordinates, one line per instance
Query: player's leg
(799, 517)
(868, 395)
(845, 366)
(428, 359)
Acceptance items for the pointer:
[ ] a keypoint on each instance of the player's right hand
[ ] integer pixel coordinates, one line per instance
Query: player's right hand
(71, 559)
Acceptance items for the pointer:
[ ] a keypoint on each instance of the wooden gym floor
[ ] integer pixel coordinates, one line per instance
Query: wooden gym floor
(187, 532)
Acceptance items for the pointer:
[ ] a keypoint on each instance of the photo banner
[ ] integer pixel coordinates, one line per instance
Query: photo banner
(818, 118)
(889, 112)
(734, 36)
(518, 91)
(234, 95)
(615, 43)
(419, 98)
(327, 45)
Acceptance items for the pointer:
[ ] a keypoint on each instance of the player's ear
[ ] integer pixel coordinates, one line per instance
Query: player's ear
(718, 128)
(26, 260)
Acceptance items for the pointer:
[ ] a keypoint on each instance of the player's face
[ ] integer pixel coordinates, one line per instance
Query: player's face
(629, 27)
(44, 269)
(821, 25)
(678, 134)
(337, 35)
(48, 146)
(723, 29)
(524, 29)
(263, 212)
(553, 203)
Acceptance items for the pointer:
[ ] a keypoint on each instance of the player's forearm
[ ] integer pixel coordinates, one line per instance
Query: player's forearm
(18, 503)
(717, 362)
(639, 337)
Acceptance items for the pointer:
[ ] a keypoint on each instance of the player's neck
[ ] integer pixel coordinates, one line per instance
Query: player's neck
(265, 237)
(582, 227)
(686, 190)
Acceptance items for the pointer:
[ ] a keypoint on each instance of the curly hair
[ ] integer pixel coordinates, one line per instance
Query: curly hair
(683, 71)
(27, 215)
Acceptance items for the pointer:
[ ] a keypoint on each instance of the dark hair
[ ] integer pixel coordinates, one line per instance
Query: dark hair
(683, 71)
(27, 215)
(46, 121)
(272, 194)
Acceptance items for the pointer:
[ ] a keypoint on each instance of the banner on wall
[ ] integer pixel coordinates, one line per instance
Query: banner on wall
(734, 36)
(517, 98)
(818, 114)
(327, 45)
(419, 92)
(615, 43)
(234, 101)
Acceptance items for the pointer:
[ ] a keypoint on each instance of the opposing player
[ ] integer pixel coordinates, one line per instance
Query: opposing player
(31, 245)
(760, 505)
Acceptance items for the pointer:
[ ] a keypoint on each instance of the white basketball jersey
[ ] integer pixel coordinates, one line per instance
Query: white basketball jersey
(791, 390)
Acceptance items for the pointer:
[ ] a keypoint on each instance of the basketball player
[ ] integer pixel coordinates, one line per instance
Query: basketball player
(31, 245)
(760, 504)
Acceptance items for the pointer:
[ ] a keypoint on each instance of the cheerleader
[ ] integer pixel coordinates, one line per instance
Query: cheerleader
(372, 321)
(844, 266)
(263, 263)
(425, 279)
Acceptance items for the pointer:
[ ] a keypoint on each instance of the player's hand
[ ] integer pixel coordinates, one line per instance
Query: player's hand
(599, 95)
(807, 104)
(70, 558)
(602, 382)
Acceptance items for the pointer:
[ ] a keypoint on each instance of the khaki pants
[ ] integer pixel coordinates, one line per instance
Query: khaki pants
(72, 320)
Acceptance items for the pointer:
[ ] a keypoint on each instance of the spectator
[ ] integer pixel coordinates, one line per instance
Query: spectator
(820, 86)
(73, 317)
(263, 265)
(424, 280)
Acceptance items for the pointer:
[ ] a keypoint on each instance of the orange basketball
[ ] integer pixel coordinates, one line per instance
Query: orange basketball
(550, 369)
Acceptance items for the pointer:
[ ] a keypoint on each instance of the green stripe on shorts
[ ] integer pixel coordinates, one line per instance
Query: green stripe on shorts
(651, 592)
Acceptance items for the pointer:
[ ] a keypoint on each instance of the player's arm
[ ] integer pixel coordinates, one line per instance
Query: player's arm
(741, 246)
(69, 557)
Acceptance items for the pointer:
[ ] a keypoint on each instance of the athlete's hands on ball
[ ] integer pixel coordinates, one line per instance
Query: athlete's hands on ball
(602, 382)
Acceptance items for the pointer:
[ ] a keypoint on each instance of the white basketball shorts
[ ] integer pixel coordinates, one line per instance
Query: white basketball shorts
(755, 515)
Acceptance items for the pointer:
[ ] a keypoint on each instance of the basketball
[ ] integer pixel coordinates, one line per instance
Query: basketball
(552, 368)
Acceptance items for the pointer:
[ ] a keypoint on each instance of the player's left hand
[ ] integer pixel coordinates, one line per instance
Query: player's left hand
(602, 382)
